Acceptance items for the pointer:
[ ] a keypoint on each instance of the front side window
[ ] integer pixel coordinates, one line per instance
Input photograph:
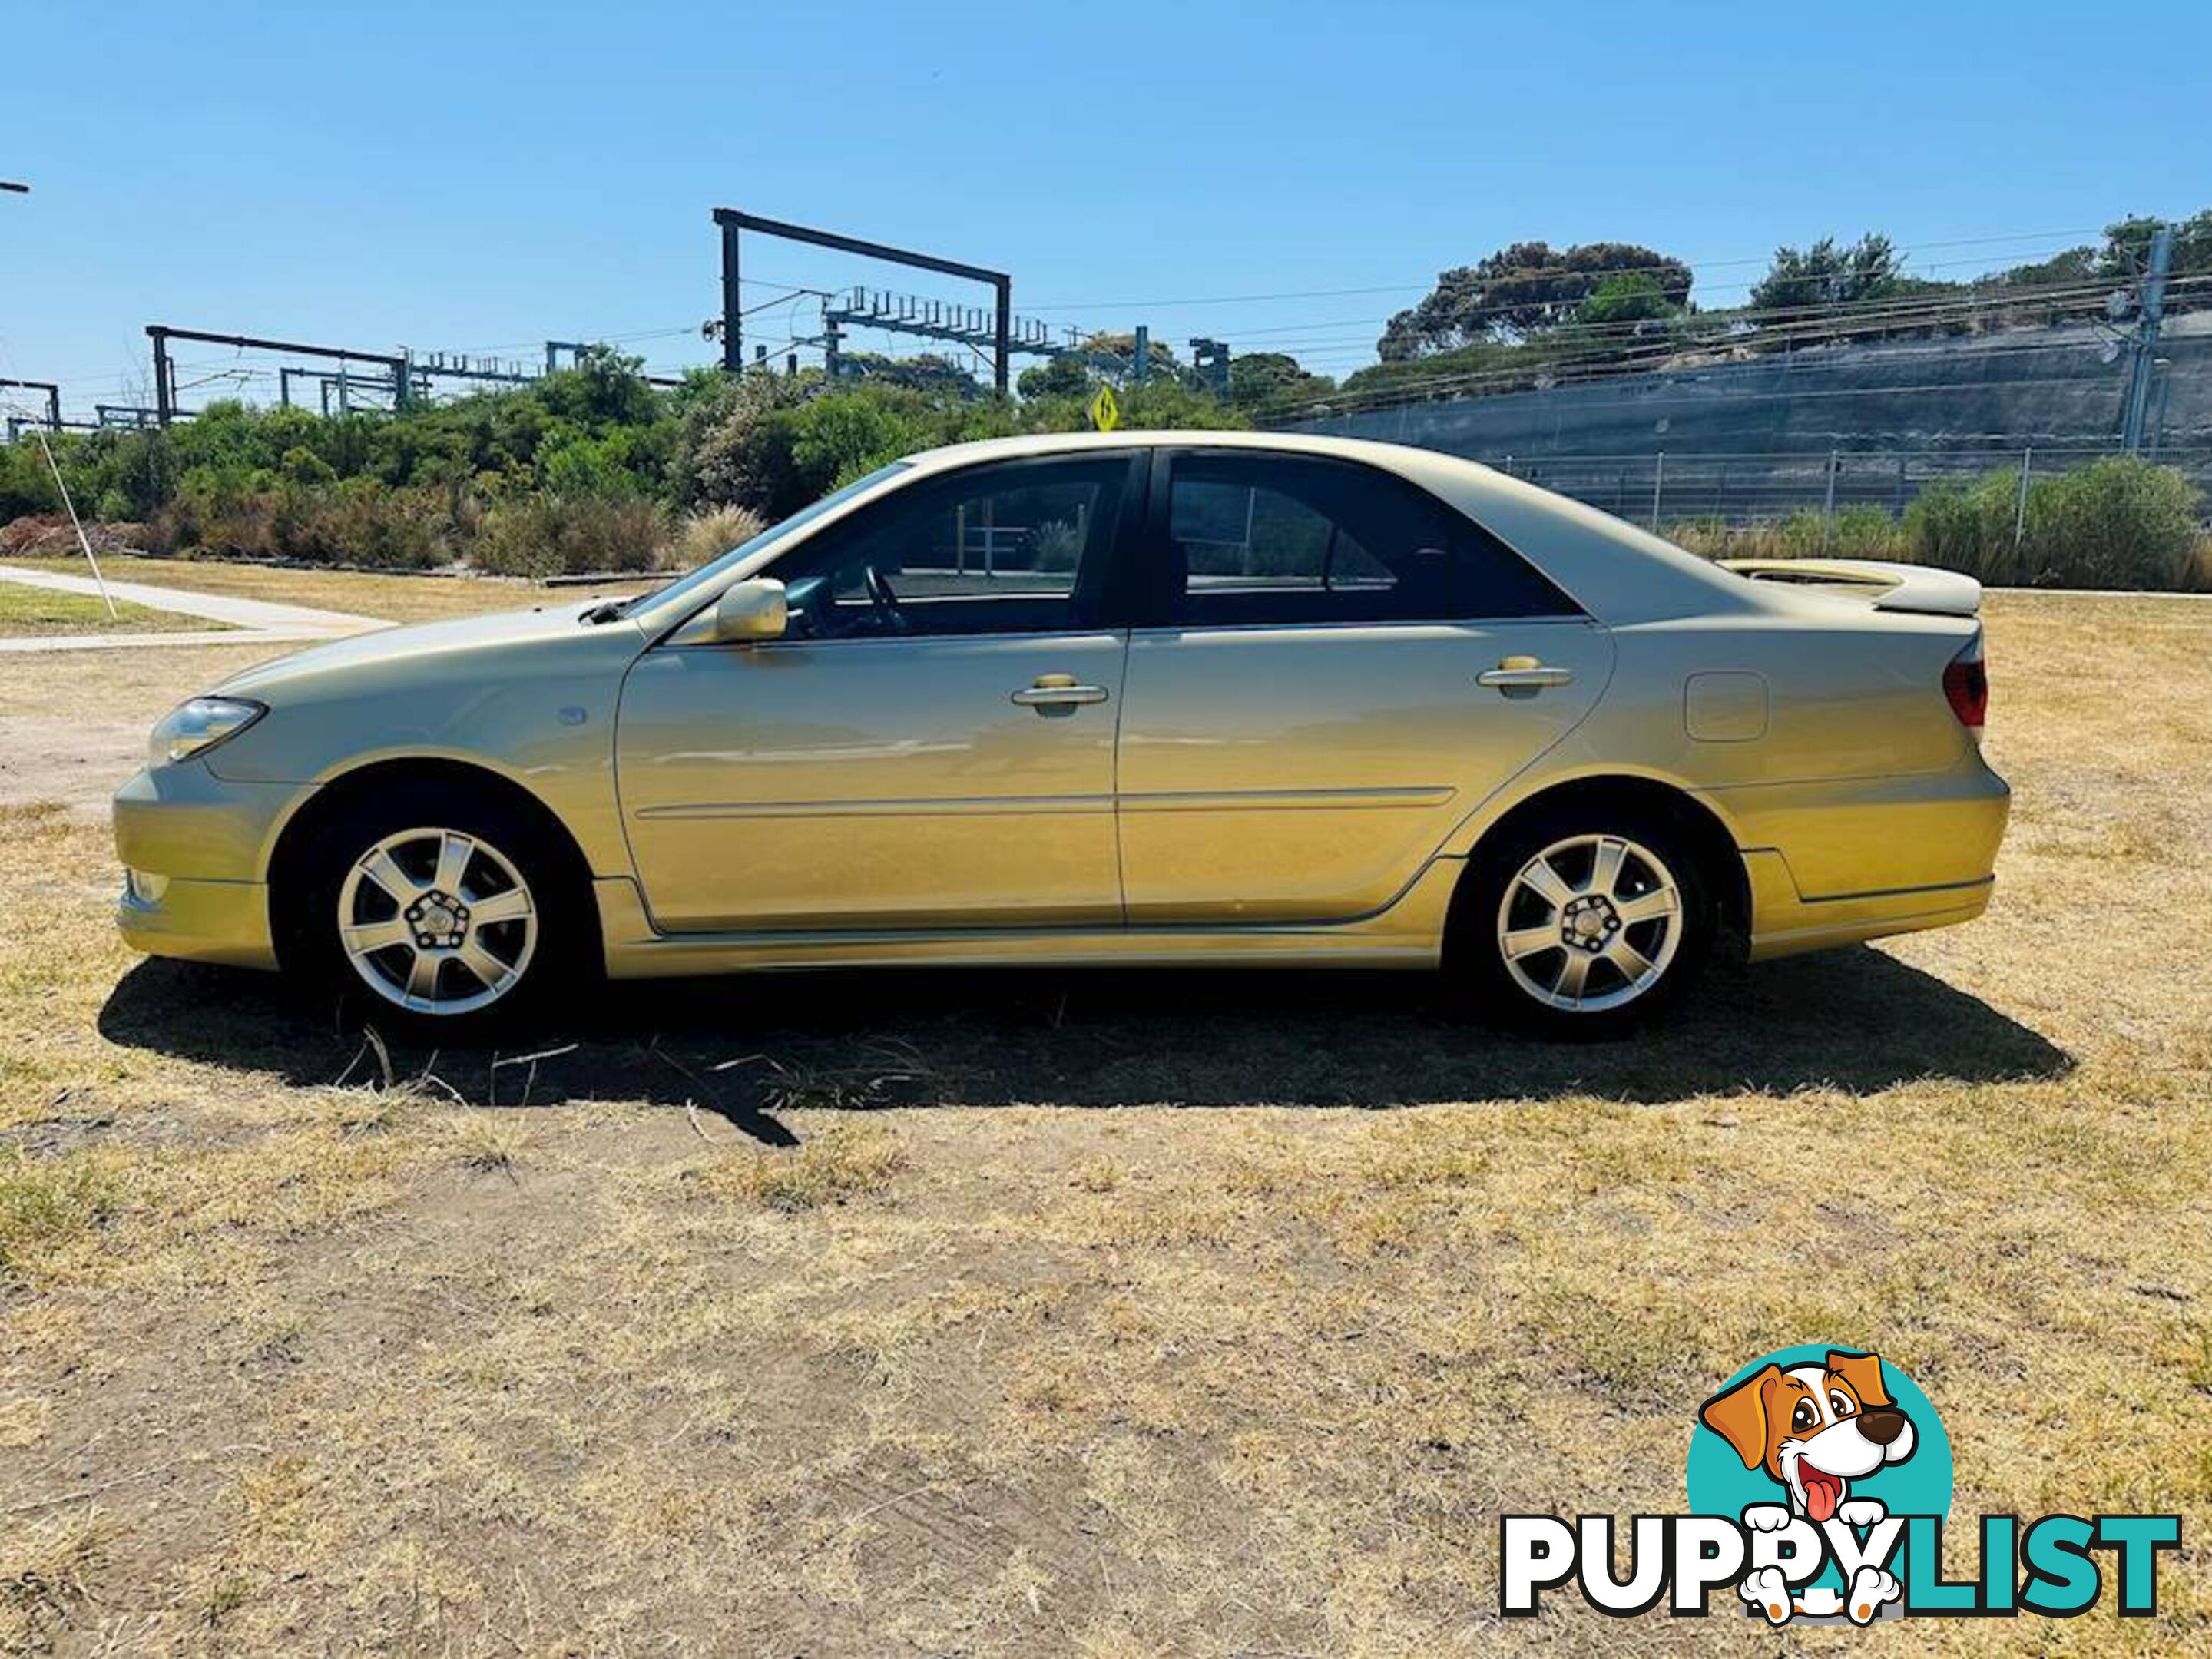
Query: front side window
(1275, 539)
(1014, 548)
(687, 589)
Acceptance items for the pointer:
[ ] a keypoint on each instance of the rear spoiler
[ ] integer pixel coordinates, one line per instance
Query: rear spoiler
(1913, 587)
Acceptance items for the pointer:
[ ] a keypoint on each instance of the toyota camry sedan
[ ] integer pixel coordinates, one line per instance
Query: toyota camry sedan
(1170, 698)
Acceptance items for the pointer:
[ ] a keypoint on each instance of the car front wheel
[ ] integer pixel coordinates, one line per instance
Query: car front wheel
(443, 916)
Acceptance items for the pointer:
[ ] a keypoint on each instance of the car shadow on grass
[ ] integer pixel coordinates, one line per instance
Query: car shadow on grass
(750, 1048)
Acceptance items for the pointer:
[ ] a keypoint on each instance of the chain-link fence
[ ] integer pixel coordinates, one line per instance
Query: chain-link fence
(1660, 487)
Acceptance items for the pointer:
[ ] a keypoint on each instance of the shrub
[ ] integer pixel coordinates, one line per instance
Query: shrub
(551, 536)
(363, 522)
(1856, 532)
(1967, 525)
(217, 514)
(1868, 532)
(708, 535)
(715, 454)
(1056, 546)
(2118, 522)
(26, 484)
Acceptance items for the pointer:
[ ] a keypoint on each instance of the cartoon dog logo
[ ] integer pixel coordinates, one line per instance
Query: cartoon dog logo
(1814, 1429)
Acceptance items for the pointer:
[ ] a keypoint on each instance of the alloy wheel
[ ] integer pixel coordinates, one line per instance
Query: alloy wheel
(1590, 923)
(437, 922)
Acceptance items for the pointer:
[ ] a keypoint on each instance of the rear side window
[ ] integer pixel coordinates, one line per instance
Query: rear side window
(1259, 539)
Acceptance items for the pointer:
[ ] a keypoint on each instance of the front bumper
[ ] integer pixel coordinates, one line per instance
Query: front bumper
(224, 921)
(195, 850)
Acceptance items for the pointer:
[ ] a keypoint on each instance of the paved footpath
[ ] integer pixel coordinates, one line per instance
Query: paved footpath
(251, 621)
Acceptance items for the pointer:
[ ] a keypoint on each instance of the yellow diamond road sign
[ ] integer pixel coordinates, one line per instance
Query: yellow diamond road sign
(1105, 412)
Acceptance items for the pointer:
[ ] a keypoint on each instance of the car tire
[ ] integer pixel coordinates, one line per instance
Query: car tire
(442, 915)
(1584, 922)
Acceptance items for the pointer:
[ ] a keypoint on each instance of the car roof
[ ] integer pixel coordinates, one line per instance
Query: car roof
(1055, 443)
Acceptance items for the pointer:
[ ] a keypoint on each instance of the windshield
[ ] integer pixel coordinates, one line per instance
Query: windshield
(708, 575)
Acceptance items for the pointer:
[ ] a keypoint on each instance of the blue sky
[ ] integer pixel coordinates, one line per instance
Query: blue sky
(464, 177)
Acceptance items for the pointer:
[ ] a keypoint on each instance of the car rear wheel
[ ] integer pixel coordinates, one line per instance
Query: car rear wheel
(443, 916)
(1579, 923)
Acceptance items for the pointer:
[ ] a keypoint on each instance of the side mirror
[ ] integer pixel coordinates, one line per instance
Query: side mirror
(753, 610)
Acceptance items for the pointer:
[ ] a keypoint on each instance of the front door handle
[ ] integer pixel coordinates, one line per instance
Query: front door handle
(1524, 674)
(1058, 693)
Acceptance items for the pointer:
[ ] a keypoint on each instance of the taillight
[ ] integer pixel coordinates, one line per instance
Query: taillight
(1966, 685)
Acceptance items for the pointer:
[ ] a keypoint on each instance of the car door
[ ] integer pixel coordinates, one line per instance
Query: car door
(1334, 669)
(932, 742)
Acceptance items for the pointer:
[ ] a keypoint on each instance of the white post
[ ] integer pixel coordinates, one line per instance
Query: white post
(1658, 483)
(2019, 512)
(83, 540)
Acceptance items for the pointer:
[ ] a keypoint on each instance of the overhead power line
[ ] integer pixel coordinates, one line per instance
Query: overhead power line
(1601, 359)
(1413, 288)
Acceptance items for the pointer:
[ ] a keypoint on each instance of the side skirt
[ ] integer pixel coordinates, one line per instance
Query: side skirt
(1409, 935)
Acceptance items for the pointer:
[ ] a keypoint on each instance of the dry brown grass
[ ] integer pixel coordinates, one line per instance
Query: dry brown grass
(1106, 1314)
(394, 597)
(837, 1165)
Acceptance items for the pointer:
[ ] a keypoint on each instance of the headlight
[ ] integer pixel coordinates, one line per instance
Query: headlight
(196, 726)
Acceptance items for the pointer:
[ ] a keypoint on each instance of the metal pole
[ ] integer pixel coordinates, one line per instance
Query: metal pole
(1005, 332)
(53, 395)
(2153, 312)
(1828, 505)
(734, 327)
(162, 406)
(2020, 507)
(1658, 483)
(1144, 355)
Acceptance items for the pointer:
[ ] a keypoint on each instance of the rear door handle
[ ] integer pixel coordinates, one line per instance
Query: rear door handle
(1524, 674)
(1054, 691)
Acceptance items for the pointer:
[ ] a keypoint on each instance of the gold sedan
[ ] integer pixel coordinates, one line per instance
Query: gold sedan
(1121, 698)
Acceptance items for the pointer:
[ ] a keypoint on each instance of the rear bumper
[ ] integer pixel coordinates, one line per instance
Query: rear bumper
(1783, 924)
(1835, 863)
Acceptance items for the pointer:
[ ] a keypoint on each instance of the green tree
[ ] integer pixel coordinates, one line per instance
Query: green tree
(1274, 383)
(928, 372)
(1628, 296)
(1828, 274)
(1523, 290)
(1064, 376)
